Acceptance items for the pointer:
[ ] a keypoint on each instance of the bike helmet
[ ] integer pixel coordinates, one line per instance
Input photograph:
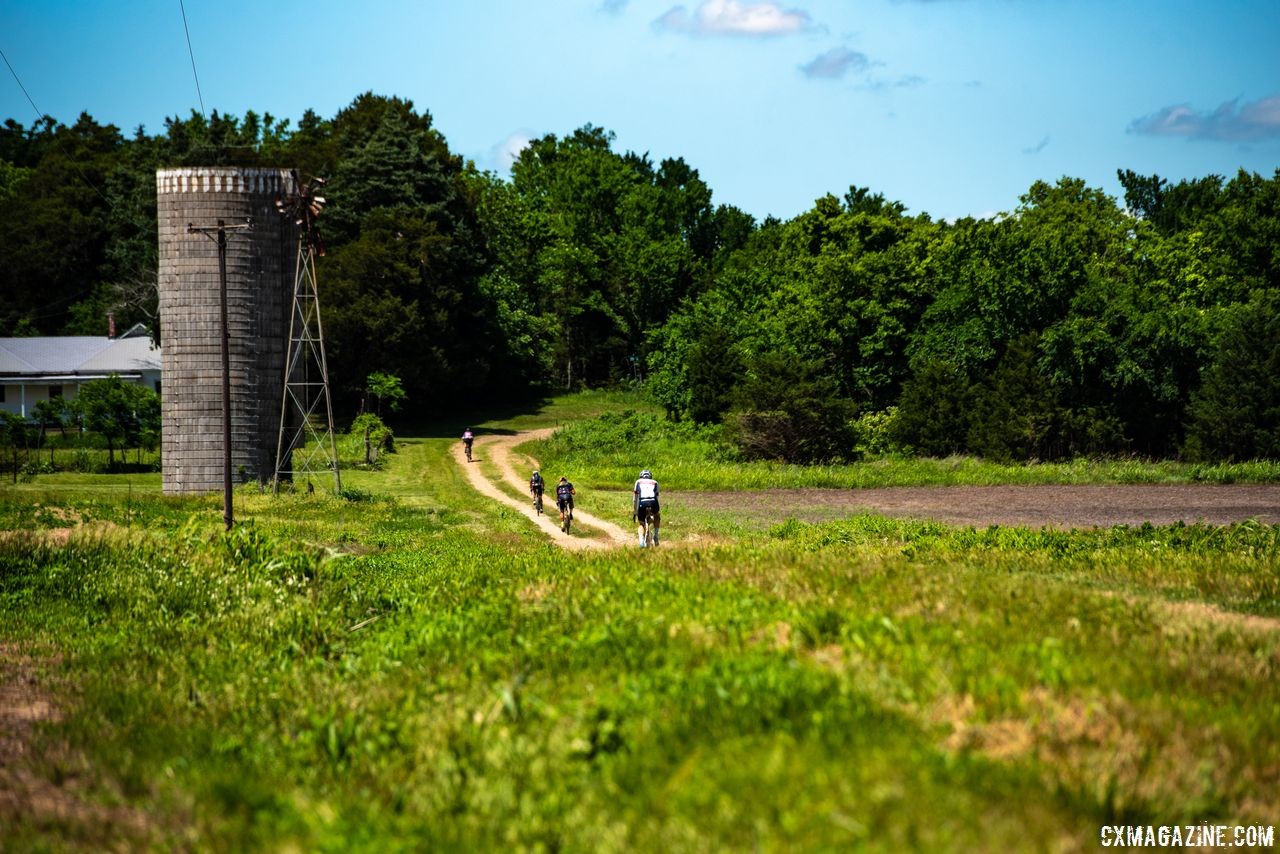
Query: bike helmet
(562, 477)
(647, 473)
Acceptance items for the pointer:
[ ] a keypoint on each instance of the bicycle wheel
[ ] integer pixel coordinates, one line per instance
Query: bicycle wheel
(564, 526)
(650, 531)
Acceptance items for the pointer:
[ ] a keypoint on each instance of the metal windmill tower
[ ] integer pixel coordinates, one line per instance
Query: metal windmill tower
(307, 443)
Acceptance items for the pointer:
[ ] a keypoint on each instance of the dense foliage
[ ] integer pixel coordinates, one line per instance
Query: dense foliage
(1070, 326)
(1075, 324)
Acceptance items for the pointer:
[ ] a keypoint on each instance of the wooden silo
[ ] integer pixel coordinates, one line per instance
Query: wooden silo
(260, 264)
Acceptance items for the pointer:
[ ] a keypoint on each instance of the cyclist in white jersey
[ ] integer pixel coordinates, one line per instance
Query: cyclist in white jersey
(645, 497)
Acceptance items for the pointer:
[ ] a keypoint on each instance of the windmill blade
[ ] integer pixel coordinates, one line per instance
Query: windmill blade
(303, 205)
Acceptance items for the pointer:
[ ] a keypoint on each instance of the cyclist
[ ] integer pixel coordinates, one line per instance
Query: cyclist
(467, 439)
(536, 486)
(564, 497)
(644, 497)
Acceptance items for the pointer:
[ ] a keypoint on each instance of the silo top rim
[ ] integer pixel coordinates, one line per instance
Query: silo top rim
(252, 180)
(224, 171)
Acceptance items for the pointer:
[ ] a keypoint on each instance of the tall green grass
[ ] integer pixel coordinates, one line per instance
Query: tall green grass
(420, 669)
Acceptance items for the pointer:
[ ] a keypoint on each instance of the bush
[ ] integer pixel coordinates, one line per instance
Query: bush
(83, 462)
(34, 467)
(934, 410)
(1014, 416)
(1236, 414)
(873, 433)
(369, 437)
(790, 409)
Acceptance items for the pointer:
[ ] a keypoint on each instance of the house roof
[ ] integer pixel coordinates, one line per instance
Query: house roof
(76, 354)
(124, 354)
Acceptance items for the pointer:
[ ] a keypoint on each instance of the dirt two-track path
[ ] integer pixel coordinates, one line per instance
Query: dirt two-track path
(1061, 507)
(498, 450)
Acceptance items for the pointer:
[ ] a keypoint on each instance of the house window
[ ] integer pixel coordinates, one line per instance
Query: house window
(3, 389)
(157, 388)
(55, 391)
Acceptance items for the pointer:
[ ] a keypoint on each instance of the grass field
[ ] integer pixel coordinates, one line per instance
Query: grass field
(604, 451)
(419, 669)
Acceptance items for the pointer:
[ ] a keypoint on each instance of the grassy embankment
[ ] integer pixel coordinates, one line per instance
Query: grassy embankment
(423, 669)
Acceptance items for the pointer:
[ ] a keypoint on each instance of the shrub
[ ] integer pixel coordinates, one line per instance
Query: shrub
(791, 409)
(369, 437)
(1236, 414)
(934, 410)
(873, 433)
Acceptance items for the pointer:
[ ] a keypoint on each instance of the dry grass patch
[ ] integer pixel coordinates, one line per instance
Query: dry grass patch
(42, 780)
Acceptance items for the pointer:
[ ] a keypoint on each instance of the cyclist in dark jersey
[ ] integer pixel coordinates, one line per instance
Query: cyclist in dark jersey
(536, 486)
(564, 497)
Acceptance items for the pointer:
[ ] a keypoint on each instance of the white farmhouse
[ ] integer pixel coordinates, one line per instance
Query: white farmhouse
(36, 369)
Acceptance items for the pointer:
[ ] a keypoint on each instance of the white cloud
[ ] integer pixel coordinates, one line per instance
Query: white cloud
(506, 152)
(732, 17)
(1230, 122)
(835, 63)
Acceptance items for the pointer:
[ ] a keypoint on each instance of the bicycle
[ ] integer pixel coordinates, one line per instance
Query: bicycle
(649, 523)
(537, 502)
(564, 503)
(468, 446)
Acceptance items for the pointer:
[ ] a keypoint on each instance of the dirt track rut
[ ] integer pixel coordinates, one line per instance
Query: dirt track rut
(497, 449)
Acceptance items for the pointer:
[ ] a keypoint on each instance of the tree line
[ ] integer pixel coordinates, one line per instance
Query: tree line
(1076, 323)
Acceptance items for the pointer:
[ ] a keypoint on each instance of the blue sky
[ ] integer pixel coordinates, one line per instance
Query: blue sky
(952, 107)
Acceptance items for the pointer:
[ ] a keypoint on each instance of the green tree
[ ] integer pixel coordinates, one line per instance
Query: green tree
(124, 414)
(50, 412)
(385, 388)
(788, 408)
(715, 369)
(1014, 415)
(935, 410)
(605, 244)
(1235, 414)
(53, 229)
(403, 274)
(15, 438)
(1130, 351)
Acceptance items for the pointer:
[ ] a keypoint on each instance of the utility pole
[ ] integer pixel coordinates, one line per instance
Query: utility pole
(221, 230)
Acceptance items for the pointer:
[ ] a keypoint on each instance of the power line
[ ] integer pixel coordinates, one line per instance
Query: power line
(192, 54)
(41, 115)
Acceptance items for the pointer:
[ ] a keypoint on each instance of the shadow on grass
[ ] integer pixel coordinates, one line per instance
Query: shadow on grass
(428, 426)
